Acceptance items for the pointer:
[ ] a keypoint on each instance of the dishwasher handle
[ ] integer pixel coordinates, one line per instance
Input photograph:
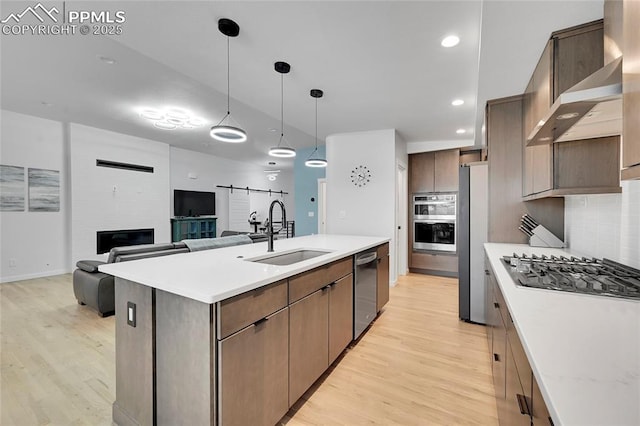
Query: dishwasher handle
(363, 259)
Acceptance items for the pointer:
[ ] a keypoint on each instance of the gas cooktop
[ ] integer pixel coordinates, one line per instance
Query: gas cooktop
(602, 277)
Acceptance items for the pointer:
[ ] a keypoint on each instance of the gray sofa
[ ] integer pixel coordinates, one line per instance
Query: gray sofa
(96, 289)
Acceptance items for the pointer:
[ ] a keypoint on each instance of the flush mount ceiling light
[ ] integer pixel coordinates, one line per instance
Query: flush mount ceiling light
(171, 118)
(457, 102)
(461, 131)
(280, 150)
(450, 41)
(224, 131)
(316, 161)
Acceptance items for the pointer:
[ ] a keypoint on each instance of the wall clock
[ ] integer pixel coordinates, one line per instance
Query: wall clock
(360, 176)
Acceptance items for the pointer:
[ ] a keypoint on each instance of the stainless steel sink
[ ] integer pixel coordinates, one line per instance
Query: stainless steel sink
(289, 258)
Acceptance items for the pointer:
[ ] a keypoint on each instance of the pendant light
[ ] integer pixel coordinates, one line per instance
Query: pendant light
(316, 161)
(225, 132)
(280, 150)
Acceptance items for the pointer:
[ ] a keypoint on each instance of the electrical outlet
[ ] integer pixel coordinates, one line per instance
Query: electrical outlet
(12, 263)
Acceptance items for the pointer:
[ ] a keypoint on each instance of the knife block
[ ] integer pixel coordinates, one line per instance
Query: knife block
(542, 237)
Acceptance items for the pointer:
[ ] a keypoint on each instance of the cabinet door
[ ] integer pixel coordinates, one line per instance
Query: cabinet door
(254, 373)
(537, 97)
(340, 316)
(539, 413)
(578, 53)
(422, 172)
(631, 89)
(382, 293)
(446, 165)
(516, 403)
(308, 342)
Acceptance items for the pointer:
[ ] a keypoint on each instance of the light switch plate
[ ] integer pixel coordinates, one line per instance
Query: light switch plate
(131, 314)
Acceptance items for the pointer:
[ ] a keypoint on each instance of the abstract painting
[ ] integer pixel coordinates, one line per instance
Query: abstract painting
(11, 188)
(44, 190)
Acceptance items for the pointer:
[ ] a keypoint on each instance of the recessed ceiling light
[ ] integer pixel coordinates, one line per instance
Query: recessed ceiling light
(567, 116)
(450, 41)
(272, 163)
(107, 60)
(461, 131)
(457, 102)
(272, 177)
(272, 129)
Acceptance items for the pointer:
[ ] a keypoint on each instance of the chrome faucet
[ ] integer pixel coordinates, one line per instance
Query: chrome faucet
(270, 227)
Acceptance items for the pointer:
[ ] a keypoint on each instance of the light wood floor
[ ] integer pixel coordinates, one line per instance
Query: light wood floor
(417, 365)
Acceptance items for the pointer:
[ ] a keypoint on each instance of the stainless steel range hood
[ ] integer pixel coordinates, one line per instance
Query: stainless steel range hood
(590, 109)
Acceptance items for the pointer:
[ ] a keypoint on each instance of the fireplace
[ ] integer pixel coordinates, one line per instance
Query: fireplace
(106, 240)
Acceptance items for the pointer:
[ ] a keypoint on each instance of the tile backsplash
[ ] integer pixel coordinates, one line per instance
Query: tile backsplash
(606, 225)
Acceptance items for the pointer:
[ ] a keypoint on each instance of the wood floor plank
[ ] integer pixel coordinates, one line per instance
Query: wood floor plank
(417, 365)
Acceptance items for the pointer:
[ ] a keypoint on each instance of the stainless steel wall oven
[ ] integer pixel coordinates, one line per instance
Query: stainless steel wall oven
(434, 222)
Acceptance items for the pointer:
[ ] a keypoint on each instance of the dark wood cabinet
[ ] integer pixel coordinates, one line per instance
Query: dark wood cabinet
(631, 90)
(308, 342)
(255, 371)
(506, 205)
(435, 171)
(518, 397)
(382, 292)
(340, 316)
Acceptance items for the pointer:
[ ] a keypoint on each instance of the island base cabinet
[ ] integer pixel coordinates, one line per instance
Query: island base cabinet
(382, 291)
(254, 372)
(539, 412)
(308, 342)
(340, 316)
(134, 403)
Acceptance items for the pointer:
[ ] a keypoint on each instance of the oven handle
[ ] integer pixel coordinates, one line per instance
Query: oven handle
(434, 221)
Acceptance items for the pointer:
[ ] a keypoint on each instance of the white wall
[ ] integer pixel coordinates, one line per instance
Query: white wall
(105, 199)
(368, 210)
(37, 241)
(606, 225)
(211, 171)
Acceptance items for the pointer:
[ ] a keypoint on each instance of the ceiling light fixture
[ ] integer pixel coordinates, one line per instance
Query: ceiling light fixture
(227, 132)
(457, 102)
(450, 41)
(316, 161)
(171, 118)
(461, 131)
(282, 151)
(107, 60)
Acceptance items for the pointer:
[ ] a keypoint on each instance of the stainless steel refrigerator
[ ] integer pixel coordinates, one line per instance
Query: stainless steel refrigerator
(473, 206)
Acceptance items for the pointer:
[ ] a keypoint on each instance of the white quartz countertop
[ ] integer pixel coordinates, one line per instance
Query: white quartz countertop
(210, 276)
(584, 350)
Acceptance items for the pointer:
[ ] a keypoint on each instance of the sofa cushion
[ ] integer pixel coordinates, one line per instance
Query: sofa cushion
(141, 248)
(147, 255)
(213, 243)
(89, 265)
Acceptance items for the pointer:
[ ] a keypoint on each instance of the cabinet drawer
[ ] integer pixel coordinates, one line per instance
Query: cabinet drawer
(306, 283)
(520, 359)
(246, 308)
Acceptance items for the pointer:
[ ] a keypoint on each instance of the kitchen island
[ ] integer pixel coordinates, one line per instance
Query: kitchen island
(583, 350)
(221, 337)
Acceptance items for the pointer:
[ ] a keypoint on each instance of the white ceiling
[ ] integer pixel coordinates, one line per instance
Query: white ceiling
(379, 63)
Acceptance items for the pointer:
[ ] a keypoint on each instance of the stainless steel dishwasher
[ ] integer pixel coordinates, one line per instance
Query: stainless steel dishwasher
(366, 278)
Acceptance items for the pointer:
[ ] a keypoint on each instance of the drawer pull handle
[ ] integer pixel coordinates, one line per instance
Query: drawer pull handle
(522, 404)
(261, 321)
(496, 357)
(496, 305)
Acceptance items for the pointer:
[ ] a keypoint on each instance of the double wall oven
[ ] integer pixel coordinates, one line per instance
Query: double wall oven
(434, 221)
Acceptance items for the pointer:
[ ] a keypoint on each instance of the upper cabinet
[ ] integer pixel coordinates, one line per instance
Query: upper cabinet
(435, 171)
(569, 57)
(631, 90)
(575, 167)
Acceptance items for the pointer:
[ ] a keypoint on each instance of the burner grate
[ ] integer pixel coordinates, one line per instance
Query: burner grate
(579, 275)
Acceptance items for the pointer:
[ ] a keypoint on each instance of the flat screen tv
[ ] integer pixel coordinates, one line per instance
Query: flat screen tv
(193, 203)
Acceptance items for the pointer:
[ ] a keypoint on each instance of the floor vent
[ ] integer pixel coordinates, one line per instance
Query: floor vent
(124, 166)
